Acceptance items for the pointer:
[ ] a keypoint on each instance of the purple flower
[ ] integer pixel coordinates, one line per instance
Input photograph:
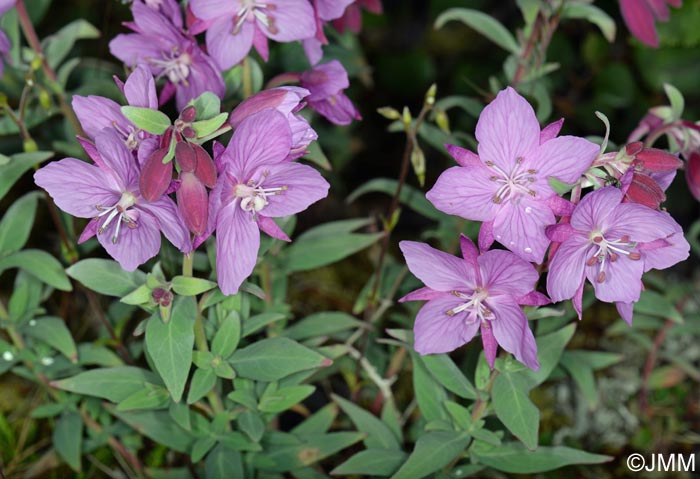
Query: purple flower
(97, 113)
(641, 15)
(168, 8)
(257, 184)
(287, 100)
(326, 83)
(506, 186)
(169, 53)
(352, 19)
(324, 11)
(612, 244)
(471, 294)
(238, 25)
(126, 225)
(5, 44)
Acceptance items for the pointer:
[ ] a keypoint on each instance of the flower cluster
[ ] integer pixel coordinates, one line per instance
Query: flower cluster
(611, 237)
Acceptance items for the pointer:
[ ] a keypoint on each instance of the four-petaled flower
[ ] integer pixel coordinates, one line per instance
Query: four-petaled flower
(126, 225)
(611, 244)
(257, 183)
(326, 83)
(506, 186)
(471, 294)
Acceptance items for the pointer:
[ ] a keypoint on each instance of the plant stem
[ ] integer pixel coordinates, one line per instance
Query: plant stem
(247, 79)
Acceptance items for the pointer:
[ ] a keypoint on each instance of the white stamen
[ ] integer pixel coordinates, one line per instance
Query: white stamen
(512, 183)
(612, 249)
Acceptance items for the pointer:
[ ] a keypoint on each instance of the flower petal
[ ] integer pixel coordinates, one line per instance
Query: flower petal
(622, 281)
(214, 9)
(520, 227)
(269, 227)
(294, 20)
(226, 49)
(96, 113)
(437, 332)
(463, 156)
(593, 210)
(438, 270)
(566, 269)
(626, 310)
(551, 131)
(237, 244)
(170, 222)
(421, 294)
(140, 88)
(640, 20)
(507, 129)
(640, 223)
(565, 158)
(304, 186)
(676, 251)
(465, 192)
(133, 246)
(503, 272)
(512, 331)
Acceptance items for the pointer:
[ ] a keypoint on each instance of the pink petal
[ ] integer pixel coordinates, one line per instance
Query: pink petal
(237, 244)
(565, 158)
(97, 113)
(622, 280)
(512, 331)
(437, 332)
(503, 272)
(134, 246)
(566, 270)
(438, 270)
(534, 298)
(466, 192)
(214, 9)
(521, 228)
(294, 20)
(469, 251)
(140, 89)
(260, 44)
(132, 48)
(486, 238)
(640, 20)
(551, 131)
(304, 186)
(626, 311)
(422, 294)
(463, 156)
(89, 231)
(593, 210)
(560, 206)
(269, 227)
(640, 223)
(507, 130)
(331, 9)
(170, 222)
(226, 49)
(677, 250)
(117, 157)
(559, 233)
(490, 344)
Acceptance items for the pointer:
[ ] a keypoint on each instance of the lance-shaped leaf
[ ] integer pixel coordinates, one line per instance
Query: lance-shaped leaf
(113, 384)
(68, 439)
(482, 23)
(434, 450)
(515, 459)
(379, 436)
(39, 264)
(514, 408)
(53, 331)
(17, 223)
(106, 276)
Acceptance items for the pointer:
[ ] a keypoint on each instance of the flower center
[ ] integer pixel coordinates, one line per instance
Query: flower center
(254, 196)
(176, 66)
(118, 211)
(255, 10)
(474, 305)
(131, 135)
(610, 250)
(517, 182)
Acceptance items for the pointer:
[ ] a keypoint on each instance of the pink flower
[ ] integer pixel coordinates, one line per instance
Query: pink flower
(326, 84)
(257, 184)
(612, 244)
(236, 26)
(641, 15)
(352, 18)
(471, 294)
(506, 186)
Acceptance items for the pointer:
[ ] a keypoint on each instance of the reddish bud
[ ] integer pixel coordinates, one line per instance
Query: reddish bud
(189, 133)
(193, 203)
(645, 191)
(157, 294)
(167, 137)
(260, 101)
(692, 174)
(206, 169)
(653, 159)
(155, 176)
(188, 114)
(185, 156)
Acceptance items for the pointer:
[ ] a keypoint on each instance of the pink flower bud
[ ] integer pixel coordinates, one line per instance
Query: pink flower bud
(155, 176)
(189, 133)
(188, 114)
(692, 174)
(658, 160)
(645, 191)
(193, 202)
(206, 169)
(258, 102)
(633, 148)
(185, 157)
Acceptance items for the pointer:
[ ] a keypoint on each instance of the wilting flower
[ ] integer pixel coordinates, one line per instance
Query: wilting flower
(641, 16)
(257, 184)
(288, 100)
(352, 18)
(506, 186)
(612, 244)
(236, 26)
(471, 294)
(126, 225)
(169, 53)
(96, 113)
(326, 84)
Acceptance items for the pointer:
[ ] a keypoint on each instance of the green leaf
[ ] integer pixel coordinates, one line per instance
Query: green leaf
(94, 354)
(227, 336)
(322, 324)
(255, 323)
(53, 331)
(514, 408)
(203, 380)
(147, 119)
(252, 424)
(284, 398)
(189, 286)
(141, 295)
(158, 426)
(410, 196)
(515, 459)
(316, 248)
(113, 384)
(208, 105)
(429, 393)
(68, 439)
(594, 15)
(316, 155)
(59, 45)
(274, 358)
(106, 276)
(434, 450)
(150, 397)
(654, 304)
(21, 162)
(207, 127)
(223, 462)
(39, 264)
(549, 350)
(17, 223)
(372, 462)
(379, 436)
(448, 374)
(677, 101)
(202, 446)
(582, 375)
(170, 345)
(315, 448)
(482, 23)
(319, 422)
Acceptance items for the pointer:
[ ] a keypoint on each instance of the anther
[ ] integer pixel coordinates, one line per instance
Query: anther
(635, 256)
(592, 260)
(601, 277)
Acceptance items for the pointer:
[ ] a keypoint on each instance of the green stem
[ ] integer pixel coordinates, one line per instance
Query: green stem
(187, 264)
(247, 79)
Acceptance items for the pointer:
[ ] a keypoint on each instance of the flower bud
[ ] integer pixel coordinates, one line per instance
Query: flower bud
(658, 160)
(206, 169)
(185, 156)
(692, 174)
(189, 114)
(155, 175)
(389, 113)
(193, 203)
(258, 102)
(189, 133)
(645, 191)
